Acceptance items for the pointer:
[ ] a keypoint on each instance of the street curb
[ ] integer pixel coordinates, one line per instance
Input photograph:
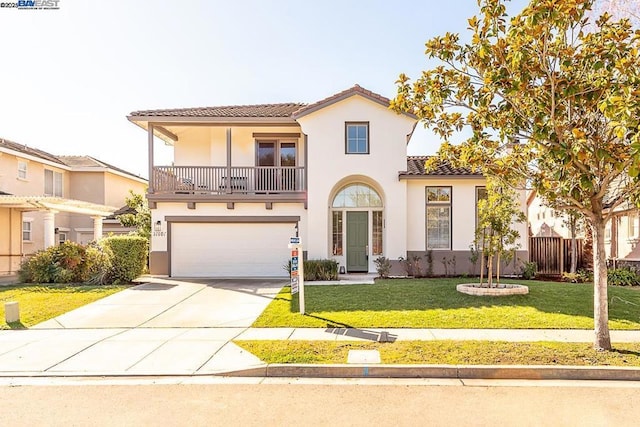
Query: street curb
(519, 372)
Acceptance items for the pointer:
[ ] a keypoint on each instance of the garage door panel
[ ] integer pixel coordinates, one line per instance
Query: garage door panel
(229, 250)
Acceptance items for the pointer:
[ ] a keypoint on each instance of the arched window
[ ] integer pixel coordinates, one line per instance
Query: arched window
(357, 199)
(357, 196)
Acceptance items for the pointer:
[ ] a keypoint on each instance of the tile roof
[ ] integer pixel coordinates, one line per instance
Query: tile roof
(285, 110)
(21, 148)
(122, 211)
(261, 110)
(415, 167)
(92, 162)
(354, 90)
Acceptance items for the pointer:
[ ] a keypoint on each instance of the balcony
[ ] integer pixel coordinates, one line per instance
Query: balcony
(237, 183)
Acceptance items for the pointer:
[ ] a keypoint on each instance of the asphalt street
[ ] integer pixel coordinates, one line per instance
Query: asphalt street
(314, 402)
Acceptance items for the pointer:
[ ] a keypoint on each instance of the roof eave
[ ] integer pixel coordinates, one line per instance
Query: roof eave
(434, 177)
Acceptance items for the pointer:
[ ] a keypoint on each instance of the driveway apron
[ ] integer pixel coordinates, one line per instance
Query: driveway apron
(164, 327)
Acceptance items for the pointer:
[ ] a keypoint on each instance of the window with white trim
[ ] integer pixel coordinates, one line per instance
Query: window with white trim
(438, 217)
(52, 183)
(26, 231)
(22, 169)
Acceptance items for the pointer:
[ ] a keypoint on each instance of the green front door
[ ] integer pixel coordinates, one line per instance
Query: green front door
(357, 241)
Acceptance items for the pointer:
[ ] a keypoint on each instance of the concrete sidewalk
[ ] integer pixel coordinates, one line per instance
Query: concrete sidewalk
(186, 327)
(162, 351)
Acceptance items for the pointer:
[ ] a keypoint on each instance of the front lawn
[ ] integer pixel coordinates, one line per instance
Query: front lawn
(447, 352)
(435, 303)
(39, 303)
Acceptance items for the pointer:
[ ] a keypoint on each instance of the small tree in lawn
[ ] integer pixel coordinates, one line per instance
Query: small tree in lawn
(574, 222)
(141, 219)
(566, 89)
(495, 235)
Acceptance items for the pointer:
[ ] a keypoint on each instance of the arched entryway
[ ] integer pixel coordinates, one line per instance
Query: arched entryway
(357, 224)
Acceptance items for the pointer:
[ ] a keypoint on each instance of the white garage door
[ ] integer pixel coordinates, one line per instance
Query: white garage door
(229, 250)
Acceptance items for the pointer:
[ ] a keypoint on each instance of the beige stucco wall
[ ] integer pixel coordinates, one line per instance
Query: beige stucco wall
(330, 169)
(11, 241)
(33, 185)
(159, 239)
(463, 212)
(101, 187)
(626, 240)
(207, 145)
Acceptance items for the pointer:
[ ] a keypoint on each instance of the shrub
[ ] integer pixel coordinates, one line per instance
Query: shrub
(58, 264)
(581, 276)
(129, 256)
(383, 266)
(320, 269)
(99, 261)
(529, 270)
(622, 277)
(411, 265)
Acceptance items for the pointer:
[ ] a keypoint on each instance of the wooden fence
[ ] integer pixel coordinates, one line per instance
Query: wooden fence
(553, 254)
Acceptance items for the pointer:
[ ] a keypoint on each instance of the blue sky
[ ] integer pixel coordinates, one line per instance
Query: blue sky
(69, 77)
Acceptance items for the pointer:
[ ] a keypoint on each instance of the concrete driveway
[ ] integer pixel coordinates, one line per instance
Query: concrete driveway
(166, 303)
(165, 327)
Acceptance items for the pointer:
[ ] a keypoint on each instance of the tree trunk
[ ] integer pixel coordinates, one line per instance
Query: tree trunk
(481, 266)
(490, 270)
(600, 300)
(574, 246)
(498, 269)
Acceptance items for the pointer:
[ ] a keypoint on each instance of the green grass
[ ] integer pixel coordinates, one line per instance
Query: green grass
(39, 303)
(447, 352)
(435, 303)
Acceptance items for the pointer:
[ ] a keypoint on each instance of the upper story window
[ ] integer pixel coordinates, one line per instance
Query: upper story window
(22, 169)
(438, 221)
(52, 183)
(357, 138)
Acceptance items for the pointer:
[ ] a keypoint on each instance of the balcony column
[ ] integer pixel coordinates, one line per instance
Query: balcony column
(49, 222)
(229, 180)
(150, 142)
(97, 227)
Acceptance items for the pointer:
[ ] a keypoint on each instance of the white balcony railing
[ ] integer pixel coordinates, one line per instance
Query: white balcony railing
(223, 180)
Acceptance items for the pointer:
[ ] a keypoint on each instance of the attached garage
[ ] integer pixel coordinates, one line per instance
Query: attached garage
(239, 247)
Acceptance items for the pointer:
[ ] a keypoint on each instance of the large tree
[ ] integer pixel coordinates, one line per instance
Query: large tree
(548, 103)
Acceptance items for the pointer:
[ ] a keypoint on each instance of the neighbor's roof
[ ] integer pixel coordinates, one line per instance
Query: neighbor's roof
(72, 163)
(21, 148)
(260, 110)
(87, 163)
(415, 168)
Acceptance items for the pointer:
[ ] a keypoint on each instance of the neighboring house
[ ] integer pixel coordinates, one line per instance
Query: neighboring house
(545, 221)
(622, 233)
(247, 178)
(47, 199)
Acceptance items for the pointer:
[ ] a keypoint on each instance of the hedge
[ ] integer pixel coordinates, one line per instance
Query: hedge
(129, 256)
(115, 259)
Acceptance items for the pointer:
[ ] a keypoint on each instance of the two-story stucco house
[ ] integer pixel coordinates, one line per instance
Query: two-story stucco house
(246, 178)
(47, 199)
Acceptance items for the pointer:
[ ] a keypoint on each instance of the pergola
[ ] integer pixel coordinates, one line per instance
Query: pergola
(52, 205)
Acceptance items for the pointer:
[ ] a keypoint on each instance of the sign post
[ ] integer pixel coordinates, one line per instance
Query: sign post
(297, 271)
